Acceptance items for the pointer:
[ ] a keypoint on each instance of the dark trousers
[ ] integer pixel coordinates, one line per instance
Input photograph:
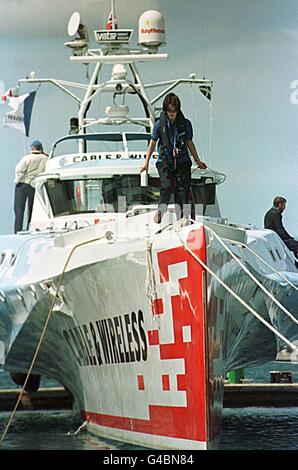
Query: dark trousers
(23, 193)
(292, 245)
(177, 182)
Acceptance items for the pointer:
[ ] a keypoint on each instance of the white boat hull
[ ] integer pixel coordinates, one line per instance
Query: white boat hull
(148, 373)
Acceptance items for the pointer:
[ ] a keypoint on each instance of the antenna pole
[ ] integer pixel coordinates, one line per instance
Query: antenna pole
(113, 14)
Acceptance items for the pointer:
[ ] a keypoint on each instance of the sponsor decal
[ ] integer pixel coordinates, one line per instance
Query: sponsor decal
(171, 386)
(120, 36)
(152, 31)
(90, 158)
(93, 157)
(115, 340)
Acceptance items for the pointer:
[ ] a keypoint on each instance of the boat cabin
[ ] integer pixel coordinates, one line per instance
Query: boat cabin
(105, 179)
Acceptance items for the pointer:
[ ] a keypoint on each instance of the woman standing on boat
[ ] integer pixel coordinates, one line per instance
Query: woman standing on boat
(174, 134)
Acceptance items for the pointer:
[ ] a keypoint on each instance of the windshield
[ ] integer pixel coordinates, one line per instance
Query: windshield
(118, 193)
(106, 194)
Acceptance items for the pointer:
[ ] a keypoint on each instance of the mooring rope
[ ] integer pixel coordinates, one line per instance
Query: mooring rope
(82, 426)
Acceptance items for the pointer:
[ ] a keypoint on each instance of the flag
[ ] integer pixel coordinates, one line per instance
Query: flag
(206, 90)
(6, 96)
(11, 92)
(109, 24)
(20, 117)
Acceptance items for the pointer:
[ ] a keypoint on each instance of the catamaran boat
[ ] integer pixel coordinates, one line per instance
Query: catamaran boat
(139, 321)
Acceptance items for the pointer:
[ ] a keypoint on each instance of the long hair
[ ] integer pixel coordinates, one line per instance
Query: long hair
(171, 100)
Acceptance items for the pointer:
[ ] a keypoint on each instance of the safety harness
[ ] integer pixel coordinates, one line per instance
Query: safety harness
(172, 145)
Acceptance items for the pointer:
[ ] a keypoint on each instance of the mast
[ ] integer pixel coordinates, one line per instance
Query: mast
(113, 13)
(113, 50)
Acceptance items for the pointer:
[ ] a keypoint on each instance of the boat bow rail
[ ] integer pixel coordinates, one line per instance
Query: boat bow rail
(249, 308)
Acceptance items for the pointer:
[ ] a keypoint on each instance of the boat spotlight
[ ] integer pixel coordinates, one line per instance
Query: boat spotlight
(74, 126)
(119, 72)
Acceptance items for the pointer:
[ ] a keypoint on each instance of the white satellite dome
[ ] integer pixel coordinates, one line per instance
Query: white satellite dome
(152, 29)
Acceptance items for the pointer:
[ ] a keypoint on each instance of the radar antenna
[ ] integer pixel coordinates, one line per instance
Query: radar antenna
(79, 45)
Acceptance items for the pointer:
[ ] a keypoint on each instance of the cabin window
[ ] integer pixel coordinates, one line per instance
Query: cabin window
(278, 254)
(272, 255)
(118, 193)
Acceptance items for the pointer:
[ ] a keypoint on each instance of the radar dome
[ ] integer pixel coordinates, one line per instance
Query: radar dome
(152, 29)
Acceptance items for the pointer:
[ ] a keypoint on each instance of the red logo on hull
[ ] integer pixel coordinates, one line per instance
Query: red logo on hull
(187, 311)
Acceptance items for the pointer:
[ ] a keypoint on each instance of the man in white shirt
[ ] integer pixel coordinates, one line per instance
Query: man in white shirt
(26, 170)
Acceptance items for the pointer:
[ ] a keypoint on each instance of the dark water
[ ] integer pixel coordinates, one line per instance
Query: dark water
(243, 429)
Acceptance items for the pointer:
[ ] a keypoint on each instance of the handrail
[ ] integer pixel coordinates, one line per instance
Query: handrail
(255, 280)
(266, 264)
(236, 296)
